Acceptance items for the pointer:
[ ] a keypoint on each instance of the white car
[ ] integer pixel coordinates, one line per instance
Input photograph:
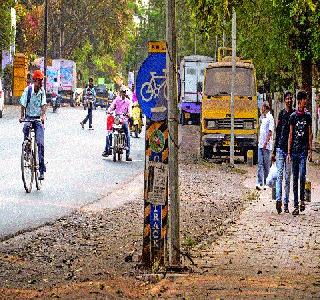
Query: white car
(1, 99)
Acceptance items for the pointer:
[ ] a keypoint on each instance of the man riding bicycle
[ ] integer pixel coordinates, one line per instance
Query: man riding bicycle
(122, 105)
(33, 107)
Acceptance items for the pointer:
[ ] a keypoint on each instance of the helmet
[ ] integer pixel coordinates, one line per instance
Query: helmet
(37, 74)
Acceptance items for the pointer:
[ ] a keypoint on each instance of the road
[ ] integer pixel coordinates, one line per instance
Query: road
(76, 172)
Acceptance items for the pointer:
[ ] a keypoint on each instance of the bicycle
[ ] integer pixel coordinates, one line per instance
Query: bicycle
(29, 158)
(151, 89)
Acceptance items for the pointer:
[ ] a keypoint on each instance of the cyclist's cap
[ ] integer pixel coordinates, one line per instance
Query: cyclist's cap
(37, 74)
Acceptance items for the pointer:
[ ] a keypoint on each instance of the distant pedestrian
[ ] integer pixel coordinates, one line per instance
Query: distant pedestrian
(300, 148)
(265, 144)
(89, 98)
(280, 153)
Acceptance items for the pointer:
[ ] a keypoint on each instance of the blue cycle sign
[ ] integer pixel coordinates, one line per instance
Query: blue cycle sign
(151, 84)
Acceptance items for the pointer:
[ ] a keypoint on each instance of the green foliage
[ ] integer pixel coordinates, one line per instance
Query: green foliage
(281, 36)
(5, 24)
(7, 77)
(152, 26)
(93, 33)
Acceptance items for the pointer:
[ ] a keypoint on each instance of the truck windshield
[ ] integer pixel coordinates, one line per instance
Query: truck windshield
(218, 82)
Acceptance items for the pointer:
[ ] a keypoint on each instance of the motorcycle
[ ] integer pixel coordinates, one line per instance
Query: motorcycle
(55, 102)
(119, 142)
(136, 124)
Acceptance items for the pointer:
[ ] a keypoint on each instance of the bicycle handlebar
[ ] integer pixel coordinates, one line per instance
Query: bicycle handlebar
(30, 120)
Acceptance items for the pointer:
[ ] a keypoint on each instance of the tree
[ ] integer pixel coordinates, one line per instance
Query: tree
(282, 36)
(152, 26)
(94, 33)
(5, 24)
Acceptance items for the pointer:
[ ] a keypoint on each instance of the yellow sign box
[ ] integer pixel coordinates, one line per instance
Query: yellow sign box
(157, 47)
(20, 71)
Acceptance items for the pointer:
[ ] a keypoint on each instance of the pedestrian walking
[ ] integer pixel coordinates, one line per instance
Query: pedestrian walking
(280, 153)
(265, 144)
(300, 148)
(89, 98)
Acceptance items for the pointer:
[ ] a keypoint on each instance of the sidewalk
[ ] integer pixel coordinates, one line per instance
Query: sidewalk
(262, 255)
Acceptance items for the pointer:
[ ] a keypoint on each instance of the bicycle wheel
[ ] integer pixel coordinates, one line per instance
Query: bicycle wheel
(27, 166)
(146, 92)
(36, 167)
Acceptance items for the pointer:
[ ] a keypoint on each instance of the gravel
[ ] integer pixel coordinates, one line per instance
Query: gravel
(97, 253)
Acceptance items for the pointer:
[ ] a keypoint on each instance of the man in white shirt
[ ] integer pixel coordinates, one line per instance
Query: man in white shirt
(265, 144)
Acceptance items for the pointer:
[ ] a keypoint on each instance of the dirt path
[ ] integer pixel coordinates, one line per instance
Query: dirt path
(95, 251)
(263, 255)
(242, 248)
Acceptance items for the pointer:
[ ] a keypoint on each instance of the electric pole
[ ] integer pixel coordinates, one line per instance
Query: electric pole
(233, 80)
(173, 134)
(45, 43)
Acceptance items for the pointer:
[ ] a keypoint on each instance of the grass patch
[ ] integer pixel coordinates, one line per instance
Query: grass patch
(251, 195)
(189, 243)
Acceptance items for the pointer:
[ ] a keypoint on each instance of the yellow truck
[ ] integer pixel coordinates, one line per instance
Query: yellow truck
(215, 111)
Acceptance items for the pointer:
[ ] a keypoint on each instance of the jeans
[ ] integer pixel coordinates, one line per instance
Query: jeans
(283, 166)
(108, 142)
(39, 131)
(88, 117)
(127, 134)
(299, 162)
(264, 160)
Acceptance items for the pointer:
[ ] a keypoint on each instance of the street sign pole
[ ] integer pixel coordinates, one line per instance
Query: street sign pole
(152, 96)
(173, 135)
(234, 51)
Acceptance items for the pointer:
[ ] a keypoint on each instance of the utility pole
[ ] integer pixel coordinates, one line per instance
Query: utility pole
(45, 43)
(216, 49)
(173, 134)
(233, 80)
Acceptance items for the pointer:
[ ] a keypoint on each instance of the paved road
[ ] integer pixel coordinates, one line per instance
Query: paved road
(76, 173)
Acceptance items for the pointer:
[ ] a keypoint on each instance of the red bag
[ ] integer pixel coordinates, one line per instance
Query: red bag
(110, 120)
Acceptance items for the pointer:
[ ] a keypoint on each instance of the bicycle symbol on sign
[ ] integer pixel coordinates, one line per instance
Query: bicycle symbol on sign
(151, 89)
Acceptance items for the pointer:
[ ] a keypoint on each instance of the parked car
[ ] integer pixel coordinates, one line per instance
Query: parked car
(67, 97)
(101, 96)
(1, 99)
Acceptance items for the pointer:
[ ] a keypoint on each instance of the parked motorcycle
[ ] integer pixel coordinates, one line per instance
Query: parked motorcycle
(55, 102)
(136, 125)
(119, 143)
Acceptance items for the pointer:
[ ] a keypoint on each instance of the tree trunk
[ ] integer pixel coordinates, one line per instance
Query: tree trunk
(306, 72)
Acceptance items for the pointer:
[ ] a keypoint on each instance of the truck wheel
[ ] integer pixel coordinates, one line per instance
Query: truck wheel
(0, 113)
(207, 152)
(183, 120)
(245, 156)
(255, 156)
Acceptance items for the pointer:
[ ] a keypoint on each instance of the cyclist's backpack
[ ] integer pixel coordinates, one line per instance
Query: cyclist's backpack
(29, 95)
